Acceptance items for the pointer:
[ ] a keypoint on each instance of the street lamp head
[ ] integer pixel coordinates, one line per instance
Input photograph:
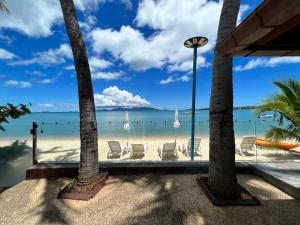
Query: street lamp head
(195, 42)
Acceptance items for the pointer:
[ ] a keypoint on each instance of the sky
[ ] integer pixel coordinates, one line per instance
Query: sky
(135, 51)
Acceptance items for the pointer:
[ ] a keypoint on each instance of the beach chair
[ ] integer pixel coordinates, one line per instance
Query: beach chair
(248, 143)
(168, 151)
(138, 151)
(186, 148)
(115, 150)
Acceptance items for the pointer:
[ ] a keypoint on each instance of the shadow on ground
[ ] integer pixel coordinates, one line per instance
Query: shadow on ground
(14, 160)
(16, 149)
(69, 155)
(144, 199)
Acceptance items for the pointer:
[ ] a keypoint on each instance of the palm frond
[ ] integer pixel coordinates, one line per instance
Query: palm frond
(278, 134)
(286, 105)
(3, 7)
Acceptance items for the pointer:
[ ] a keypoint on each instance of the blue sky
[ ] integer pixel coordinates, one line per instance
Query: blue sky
(135, 50)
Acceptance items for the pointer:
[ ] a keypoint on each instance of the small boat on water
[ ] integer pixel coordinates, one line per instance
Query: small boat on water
(284, 146)
(265, 116)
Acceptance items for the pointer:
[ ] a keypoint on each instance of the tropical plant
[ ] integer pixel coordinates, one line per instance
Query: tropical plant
(89, 166)
(286, 108)
(222, 179)
(9, 110)
(12, 111)
(3, 7)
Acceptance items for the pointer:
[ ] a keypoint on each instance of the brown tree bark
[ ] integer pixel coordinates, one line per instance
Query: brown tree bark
(222, 178)
(89, 166)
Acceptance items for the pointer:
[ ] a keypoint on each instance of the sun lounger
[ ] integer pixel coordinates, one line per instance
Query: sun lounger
(115, 150)
(248, 143)
(186, 148)
(168, 151)
(138, 151)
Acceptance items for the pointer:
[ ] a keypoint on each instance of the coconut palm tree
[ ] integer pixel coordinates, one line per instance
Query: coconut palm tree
(3, 6)
(286, 107)
(222, 179)
(88, 168)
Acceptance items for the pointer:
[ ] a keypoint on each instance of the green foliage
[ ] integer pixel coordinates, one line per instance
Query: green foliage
(11, 111)
(3, 7)
(286, 107)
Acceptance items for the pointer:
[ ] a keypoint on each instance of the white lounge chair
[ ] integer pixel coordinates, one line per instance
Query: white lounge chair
(138, 151)
(186, 148)
(168, 151)
(248, 143)
(115, 150)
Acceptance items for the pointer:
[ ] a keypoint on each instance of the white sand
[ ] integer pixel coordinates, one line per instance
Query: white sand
(58, 149)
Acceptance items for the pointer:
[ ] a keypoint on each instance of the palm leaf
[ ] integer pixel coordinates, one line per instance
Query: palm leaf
(278, 134)
(286, 106)
(3, 7)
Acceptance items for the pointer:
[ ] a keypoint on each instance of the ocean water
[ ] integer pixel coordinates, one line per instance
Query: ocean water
(110, 124)
(142, 124)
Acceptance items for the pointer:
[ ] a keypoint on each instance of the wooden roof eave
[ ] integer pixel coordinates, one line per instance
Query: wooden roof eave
(259, 24)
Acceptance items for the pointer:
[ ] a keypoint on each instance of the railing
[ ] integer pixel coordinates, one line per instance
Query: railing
(60, 141)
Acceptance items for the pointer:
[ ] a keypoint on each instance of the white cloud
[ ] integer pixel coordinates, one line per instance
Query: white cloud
(36, 18)
(47, 58)
(165, 45)
(92, 5)
(70, 67)
(88, 5)
(113, 96)
(89, 22)
(6, 39)
(173, 22)
(36, 73)
(107, 75)
(170, 79)
(96, 63)
(267, 62)
(33, 18)
(46, 81)
(184, 78)
(4, 54)
(20, 84)
(173, 78)
(46, 105)
(188, 65)
(60, 107)
(127, 3)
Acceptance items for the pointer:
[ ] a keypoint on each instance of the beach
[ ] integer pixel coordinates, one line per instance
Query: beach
(68, 149)
(58, 138)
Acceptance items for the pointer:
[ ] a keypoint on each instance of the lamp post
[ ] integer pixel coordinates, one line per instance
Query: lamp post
(194, 42)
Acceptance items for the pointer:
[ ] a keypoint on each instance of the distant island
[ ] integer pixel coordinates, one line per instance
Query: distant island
(127, 109)
(234, 108)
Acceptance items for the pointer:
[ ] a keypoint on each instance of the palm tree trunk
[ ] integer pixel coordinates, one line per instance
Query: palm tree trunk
(88, 168)
(222, 175)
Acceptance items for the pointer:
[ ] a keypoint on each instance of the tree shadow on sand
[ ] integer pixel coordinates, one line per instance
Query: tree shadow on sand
(50, 209)
(163, 208)
(16, 149)
(69, 155)
(14, 160)
(178, 200)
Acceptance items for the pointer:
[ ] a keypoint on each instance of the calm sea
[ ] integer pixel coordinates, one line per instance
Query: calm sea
(146, 123)
(110, 124)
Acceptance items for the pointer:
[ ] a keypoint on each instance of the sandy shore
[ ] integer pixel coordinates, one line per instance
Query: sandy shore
(144, 199)
(61, 149)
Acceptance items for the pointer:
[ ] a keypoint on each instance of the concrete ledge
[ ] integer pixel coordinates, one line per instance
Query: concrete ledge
(278, 183)
(50, 170)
